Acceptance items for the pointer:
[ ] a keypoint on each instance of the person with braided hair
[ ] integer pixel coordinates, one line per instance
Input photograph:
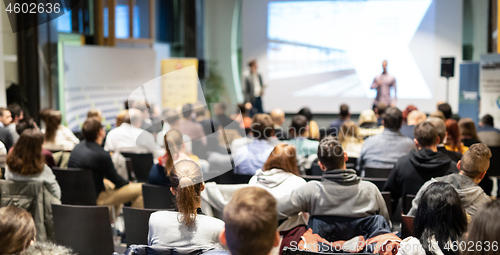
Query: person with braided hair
(188, 227)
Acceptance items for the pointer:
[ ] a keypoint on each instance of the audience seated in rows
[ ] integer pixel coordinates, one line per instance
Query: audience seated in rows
(487, 133)
(298, 137)
(344, 115)
(17, 230)
(484, 231)
(368, 124)
(453, 141)
(468, 134)
(422, 164)
(413, 119)
(176, 150)
(340, 192)
(440, 126)
(350, 139)
(5, 135)
(278, 117)
(439, 221)
(129, 137)
(313, 131)
(26, 162)
(90, 155)
(473, 166)
(187, 227)
(17, 114)
(383, 150)
(57, 136)
(251, 157)
(193, 129)
(250, 223)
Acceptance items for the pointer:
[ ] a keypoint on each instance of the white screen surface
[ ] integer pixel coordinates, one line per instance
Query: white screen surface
(324, 53)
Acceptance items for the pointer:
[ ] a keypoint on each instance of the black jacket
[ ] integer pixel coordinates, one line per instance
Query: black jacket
(91, 156)
(6, 138)
(413, 170)
(453, 155)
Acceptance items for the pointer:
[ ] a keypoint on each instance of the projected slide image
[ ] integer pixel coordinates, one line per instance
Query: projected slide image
(340, 45)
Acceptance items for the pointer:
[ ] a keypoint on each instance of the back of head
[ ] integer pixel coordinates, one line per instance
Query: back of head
(94, 113)
(453, 133)
(44, 113)
(415, 117)
(367, 116)
(199, 109)
(438, 114)
(445, 108)
(187, 180)
(441, 215)
(24, 124)
(262, 126)
(487, 120)
(187, 109)
(17, 230)
(135, 116)
(331, 153)
(440, 127)
(15, 110)
(26, 157)
(408, 110)
(476, 160)
(299, 125)
(284, 157)
(426, 134)
(484, 230)
(122, 118)
(393, 119)
(306, 112)
(250, 221)
(52, 122)
(278, 116)
(173, 145)
(344, 111)
(381, 108)
(467, 128)
(90, 129)
(348, 129)
(171, 116)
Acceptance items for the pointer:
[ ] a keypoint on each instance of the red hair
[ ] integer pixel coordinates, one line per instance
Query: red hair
(407, 111)
(453, 131)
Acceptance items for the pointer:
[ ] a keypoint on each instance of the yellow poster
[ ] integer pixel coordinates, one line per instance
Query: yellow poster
(179, 81)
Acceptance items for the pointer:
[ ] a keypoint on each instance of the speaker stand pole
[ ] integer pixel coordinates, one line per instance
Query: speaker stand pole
(448, 89)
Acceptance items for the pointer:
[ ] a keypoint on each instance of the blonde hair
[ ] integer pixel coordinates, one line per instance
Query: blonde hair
(348, 129)
(187, 180)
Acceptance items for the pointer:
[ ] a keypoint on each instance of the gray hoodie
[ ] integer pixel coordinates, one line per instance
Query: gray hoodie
(340, 193)
(471, 194)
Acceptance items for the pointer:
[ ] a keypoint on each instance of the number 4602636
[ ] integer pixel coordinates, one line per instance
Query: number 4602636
(33, 8)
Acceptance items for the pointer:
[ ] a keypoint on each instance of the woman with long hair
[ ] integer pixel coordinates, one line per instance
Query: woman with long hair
(187, 227)
(175, 151)
(313, 132)
(484, 231)
(440, 220)
(452, 140)
(468, 133)
(26, 162)
(57, 136)
(350, 139)
(17, 230)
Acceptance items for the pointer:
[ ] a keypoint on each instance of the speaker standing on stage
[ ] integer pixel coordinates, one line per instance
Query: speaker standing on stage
(253, 89)
(383, 83)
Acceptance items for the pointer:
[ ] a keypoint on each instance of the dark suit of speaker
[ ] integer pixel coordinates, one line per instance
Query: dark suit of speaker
(249, 93)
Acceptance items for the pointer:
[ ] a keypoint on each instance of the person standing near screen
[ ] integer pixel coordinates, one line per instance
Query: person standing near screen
(383, 84)
(253, 89)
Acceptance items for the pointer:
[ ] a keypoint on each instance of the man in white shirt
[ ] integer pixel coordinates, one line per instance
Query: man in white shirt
(254, 89)
(129, 137)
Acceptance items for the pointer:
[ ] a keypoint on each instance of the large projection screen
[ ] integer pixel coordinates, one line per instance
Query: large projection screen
(324, 53)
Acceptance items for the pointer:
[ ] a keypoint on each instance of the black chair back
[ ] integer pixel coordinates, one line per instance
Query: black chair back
(141, 164)
(494, 169)
(230, 177)
(406, 226)
(351, 163)
(316, 169)
(377, 172)
(408, 203)
(312, 177)
(77, 186)
(387, 198)
(379, 182)
(157, 197)
(137, 225)
(84, 229)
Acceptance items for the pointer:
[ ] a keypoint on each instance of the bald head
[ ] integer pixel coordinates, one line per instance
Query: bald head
(278, 116)
(135, 116)
(415, 117)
